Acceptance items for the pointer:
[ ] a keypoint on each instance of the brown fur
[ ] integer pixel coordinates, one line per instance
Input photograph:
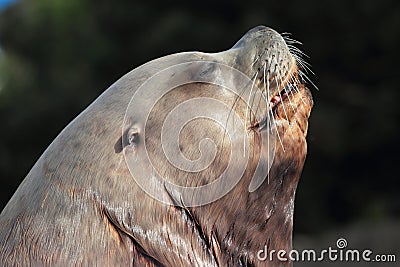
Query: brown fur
(79, 205)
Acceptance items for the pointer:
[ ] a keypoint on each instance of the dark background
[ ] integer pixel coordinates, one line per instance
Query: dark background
(57, 56)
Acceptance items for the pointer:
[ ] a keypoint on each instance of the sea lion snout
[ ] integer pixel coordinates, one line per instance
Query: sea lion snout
(267, 55)
(92, 208)
(256, 33)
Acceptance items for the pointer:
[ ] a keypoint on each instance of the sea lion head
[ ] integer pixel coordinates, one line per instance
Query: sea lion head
(86, 201)
(242, 222)
(234, 227)
(277, 67)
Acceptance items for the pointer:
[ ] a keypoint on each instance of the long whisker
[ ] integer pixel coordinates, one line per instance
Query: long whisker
(289, 95)
(271, 115)
(297, 50)
(299, 57)
(295, 85)
(296, 89)
(248, 102)
(290, 40)
(287, 91)
(280, 95)
(248, 108)
(262, 97)
(268, 118)
(304, 65)
(258, 58)
(283, 105)
(230, 112)
(303, 75)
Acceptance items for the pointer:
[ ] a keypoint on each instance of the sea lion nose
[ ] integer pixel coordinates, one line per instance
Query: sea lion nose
(260, 28)
(255, 33)
(263, 29)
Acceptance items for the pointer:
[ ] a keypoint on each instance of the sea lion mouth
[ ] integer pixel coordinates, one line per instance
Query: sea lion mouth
(281, 76)
(281, 96)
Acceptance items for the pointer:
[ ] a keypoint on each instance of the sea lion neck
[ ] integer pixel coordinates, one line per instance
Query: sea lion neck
(243, 223)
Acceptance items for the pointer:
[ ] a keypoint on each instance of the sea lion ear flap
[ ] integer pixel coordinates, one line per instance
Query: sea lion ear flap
(129, 137)
(267, 154)
(118, 146)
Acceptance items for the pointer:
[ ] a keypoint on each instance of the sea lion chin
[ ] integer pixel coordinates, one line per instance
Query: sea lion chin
(91, 200)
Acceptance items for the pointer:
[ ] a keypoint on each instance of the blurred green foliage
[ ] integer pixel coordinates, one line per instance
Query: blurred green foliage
(58, 56)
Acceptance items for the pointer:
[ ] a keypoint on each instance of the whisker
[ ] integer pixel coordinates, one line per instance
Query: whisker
(304, 65)
(276, 129)
(248, 101)
(295, 48)
(268, 118)
(259, 102)
(270, 111)
(287, 93)
(258, 58)
(284, 110)
(291, 87)
(248, 108)
(303, 75)
(230, 112)
(289, 96)
(280, 95)
(296, 89)
(265, 89)
(283, 105)
(298, 56)
(291, 40)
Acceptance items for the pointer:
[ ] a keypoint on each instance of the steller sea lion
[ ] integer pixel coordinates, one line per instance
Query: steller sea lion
(192, 159)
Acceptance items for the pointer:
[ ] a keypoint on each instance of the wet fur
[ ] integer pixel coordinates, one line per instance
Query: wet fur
(80, 206)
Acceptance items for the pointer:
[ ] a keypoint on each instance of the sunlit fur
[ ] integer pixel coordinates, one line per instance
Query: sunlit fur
(80, 205)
